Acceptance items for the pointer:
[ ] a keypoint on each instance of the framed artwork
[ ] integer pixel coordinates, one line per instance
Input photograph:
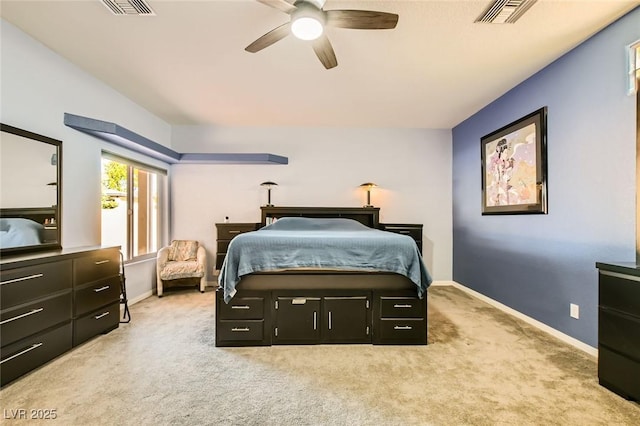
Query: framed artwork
(514, 167)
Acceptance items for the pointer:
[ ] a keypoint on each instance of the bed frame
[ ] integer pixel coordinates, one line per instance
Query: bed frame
(314, 307)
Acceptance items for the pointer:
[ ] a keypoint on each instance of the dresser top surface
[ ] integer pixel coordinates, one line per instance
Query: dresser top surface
(10, 262)
(629, 268)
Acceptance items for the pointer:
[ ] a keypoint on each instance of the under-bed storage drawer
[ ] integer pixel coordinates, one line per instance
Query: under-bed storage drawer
(242, 321)
(29, 353)
(408, 331)
(399, 318)
(100, 321)
(22, 321)
(242, 308)
(240, 331)
(401, 307)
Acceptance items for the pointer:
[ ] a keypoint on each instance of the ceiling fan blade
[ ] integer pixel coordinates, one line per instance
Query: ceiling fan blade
(325, 52)
(269, 38)
(279, 4)
(361, 19)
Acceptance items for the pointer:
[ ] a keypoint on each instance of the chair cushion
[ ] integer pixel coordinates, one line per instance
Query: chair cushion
(183, 250)
(184, 269)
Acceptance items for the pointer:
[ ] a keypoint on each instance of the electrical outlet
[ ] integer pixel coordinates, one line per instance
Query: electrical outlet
(574, 311)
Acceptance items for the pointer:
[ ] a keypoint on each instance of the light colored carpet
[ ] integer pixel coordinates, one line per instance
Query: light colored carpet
(481, 367)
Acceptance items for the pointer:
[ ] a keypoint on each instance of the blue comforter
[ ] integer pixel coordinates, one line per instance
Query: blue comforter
(18, 232)
(341, 244)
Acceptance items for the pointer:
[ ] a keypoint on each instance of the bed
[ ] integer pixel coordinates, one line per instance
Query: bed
(306, 280)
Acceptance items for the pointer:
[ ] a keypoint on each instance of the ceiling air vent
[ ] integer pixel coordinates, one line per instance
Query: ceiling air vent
(505, 11)
(128, 7)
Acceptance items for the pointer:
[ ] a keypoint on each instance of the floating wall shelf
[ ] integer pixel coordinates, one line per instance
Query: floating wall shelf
(118, 135)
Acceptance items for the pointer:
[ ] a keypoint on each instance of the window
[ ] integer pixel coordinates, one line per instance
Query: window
(130, 205)
(633, 53)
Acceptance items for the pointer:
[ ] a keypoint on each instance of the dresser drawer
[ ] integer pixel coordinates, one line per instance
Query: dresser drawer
(621, 332)
(402, 331)
(24, 284)
(33, 351)
(619, 374)
(621, 294)
(96, 294)
(242, 308)
(99, 321)
(222, 246)
(226, 231)
(20, 322)
(240, 330)
(100, 264)
(401, 307)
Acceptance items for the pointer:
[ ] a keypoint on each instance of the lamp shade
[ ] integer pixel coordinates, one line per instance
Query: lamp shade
(268, 184)
(368, 186)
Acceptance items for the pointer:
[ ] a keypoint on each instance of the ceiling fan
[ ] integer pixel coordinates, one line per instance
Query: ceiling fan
(307, 22)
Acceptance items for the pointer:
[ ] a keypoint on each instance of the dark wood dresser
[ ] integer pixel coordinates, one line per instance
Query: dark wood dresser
(53, 301)
(619, 328)
(227, 232)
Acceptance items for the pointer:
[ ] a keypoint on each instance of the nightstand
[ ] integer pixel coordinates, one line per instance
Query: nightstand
(411, 229)
(226, 233)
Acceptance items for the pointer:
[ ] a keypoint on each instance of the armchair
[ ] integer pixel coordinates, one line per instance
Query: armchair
(182, 262)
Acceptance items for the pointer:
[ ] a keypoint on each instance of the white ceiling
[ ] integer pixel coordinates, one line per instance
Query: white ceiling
(187, 64)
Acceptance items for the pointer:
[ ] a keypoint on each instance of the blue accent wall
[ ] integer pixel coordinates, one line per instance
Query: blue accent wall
(539, 264)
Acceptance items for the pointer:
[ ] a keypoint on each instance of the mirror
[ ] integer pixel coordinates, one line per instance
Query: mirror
(30, 189)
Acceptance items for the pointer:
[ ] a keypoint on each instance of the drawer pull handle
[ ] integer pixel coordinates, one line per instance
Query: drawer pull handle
(33, 311)
(98, 290)
(329, 320)
(315, 320)
(102, 315)
(100, 262)
(237, 329)
(30, 277)
(402, 306)
(240, 307)
(403, 327)
(32, 347)
(234, 232)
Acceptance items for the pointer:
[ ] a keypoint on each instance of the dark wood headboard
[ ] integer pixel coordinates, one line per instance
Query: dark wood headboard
(369, 216)
(37, 214)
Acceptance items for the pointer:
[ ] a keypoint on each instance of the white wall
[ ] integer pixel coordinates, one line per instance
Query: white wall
(37, 87)
(411, 166)
(17, 154)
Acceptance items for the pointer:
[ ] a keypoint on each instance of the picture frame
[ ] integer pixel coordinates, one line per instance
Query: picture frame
(514, 167)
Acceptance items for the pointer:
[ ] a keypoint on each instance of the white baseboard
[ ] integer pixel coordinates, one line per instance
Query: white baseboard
(442, 283)
(141, 297)
(590, 350)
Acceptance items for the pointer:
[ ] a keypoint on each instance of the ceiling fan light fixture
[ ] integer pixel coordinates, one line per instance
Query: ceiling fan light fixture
(307, 28)
(307, 21)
